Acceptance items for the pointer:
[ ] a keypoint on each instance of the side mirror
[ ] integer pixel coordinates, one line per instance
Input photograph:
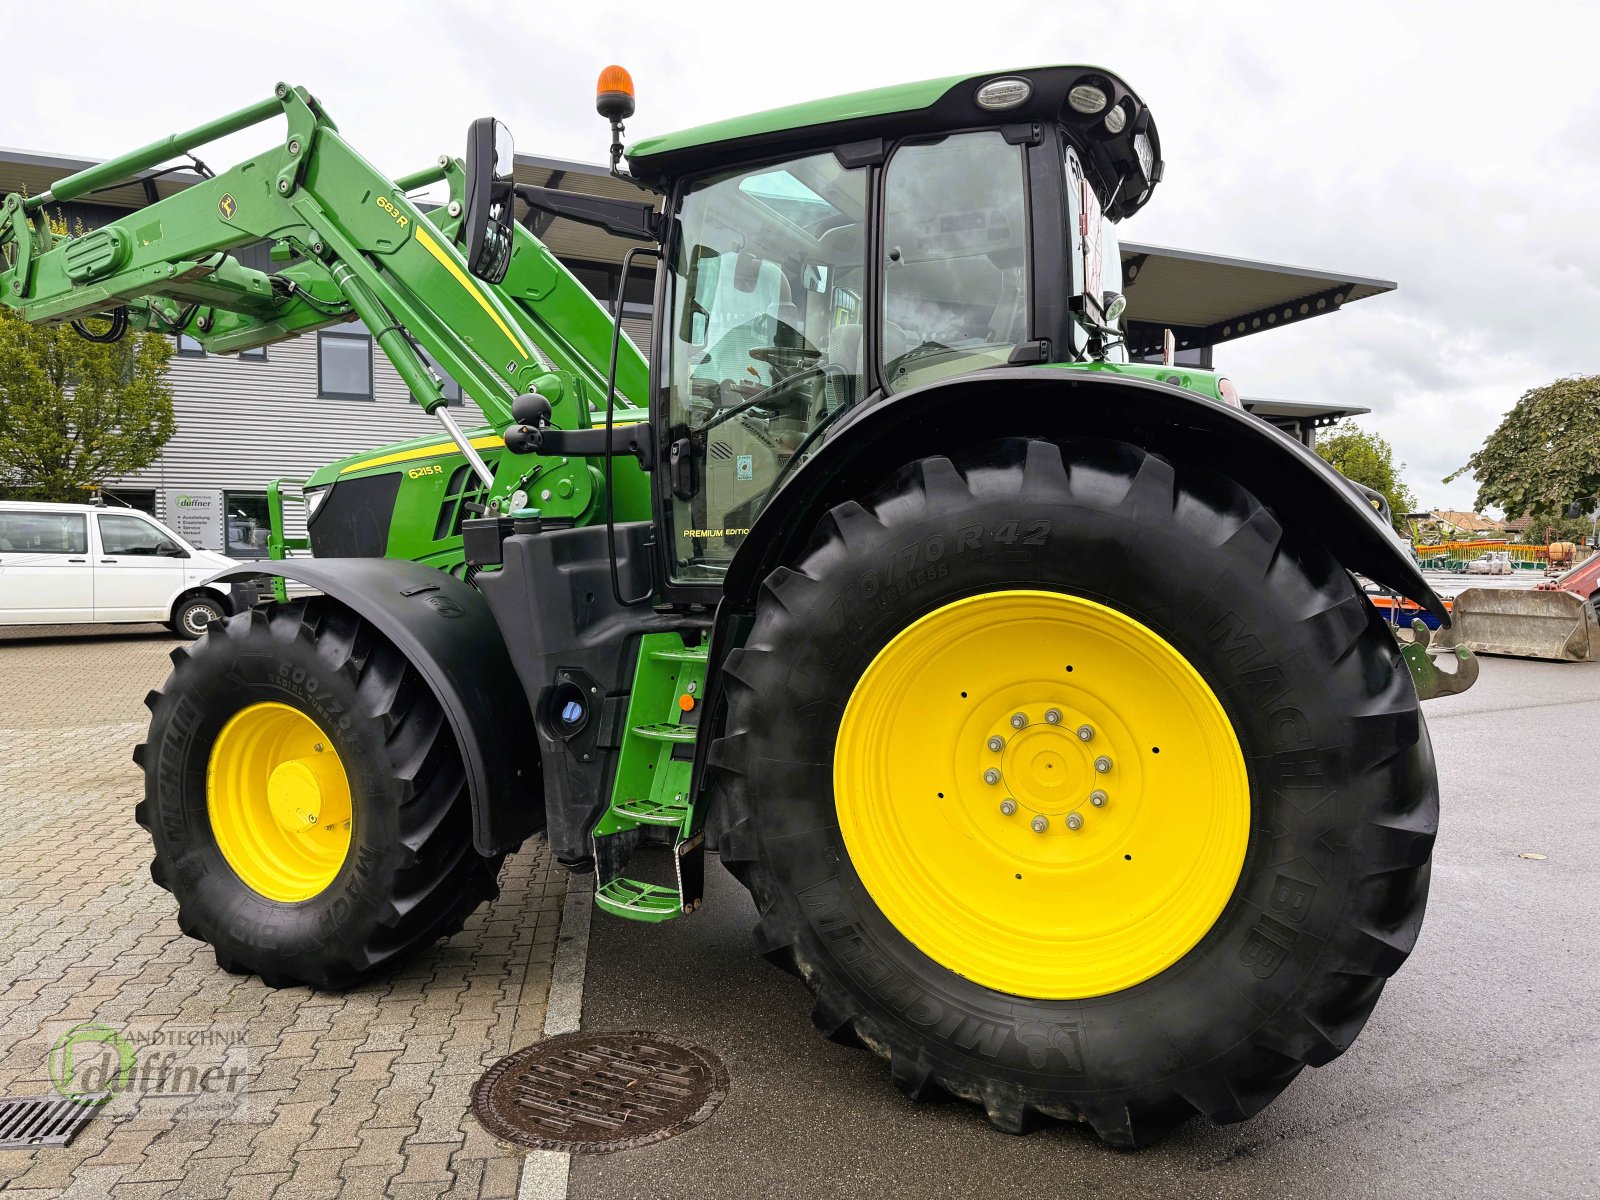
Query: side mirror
(167, 548)
(486, 220)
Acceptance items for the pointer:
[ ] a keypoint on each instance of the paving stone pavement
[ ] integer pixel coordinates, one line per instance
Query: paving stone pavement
(362, 1094)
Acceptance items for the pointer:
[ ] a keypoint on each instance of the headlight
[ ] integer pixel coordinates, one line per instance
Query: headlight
(314, 501)
(1147, 156)
(1000, 94)
(1229, 393)
(1087, 99)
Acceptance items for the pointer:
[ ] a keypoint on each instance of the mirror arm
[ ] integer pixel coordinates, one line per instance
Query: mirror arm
(626, 218)
(637, 439)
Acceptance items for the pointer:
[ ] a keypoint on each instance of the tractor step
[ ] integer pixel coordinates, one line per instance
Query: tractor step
(688, 654)
(649, 811)
(638, 901)
(653, 786)
(666, 731)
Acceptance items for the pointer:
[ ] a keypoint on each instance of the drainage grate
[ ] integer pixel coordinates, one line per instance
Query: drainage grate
(592, 1093)
(41, 1121)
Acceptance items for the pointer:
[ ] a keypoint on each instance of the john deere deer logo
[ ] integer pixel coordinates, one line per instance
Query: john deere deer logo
(227, 206)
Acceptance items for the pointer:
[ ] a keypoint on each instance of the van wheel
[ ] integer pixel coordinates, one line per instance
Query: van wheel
(193, 614)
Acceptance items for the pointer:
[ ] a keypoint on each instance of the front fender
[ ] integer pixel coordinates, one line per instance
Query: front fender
(1052, 403)
(445, 628)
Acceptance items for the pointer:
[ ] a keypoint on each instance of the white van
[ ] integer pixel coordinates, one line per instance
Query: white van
(76, 563)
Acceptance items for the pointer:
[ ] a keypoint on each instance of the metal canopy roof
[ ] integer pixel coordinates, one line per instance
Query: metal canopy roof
(1298, 410)
(1208, 299)
(32, 174)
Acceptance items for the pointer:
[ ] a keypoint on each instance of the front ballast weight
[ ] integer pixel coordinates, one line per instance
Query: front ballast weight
(1422, 659)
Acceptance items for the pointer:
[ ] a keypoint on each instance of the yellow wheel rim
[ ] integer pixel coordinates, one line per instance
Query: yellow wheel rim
(279, 802)
(966, 789)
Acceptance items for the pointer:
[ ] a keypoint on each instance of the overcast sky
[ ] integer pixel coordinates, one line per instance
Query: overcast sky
(1453, 148)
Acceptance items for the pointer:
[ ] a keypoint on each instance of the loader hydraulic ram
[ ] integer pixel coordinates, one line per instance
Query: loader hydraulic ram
(1029, 693)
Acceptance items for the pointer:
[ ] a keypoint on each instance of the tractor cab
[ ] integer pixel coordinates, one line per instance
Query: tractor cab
(820, 257)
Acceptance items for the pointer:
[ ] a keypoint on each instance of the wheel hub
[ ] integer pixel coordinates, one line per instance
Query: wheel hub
(296, 790)
(1041, 794)
(279, 802)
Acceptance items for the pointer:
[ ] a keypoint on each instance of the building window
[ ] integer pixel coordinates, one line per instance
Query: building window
(344, 362)
(248, 526)
(254, 354)
(451, 389)
(141, 499)
(190, 347)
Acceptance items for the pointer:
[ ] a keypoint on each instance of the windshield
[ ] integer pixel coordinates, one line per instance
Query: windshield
(765, 340)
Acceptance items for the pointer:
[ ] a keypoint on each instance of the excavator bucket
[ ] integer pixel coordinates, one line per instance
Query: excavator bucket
(1429, 680)
(1554, 625)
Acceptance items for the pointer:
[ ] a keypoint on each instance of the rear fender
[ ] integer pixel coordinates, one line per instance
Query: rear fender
(447, 631)
(1054, 404)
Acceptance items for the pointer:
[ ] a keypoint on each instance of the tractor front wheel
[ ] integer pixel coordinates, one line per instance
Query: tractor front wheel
(306, 799)
(1075, 786)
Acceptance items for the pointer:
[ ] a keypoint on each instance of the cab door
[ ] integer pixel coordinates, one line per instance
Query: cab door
(45, 574)
(138, 570)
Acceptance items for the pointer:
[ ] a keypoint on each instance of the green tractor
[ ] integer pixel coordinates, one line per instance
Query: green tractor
(1029, 694)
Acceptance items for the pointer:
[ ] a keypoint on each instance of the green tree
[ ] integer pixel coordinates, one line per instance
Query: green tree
(1368, 459)
(74, 413)
(1545, 453)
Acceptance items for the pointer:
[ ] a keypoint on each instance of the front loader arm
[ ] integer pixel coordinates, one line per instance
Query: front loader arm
(361, 247)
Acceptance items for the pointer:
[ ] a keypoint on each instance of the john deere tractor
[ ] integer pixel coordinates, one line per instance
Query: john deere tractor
(1030, 695)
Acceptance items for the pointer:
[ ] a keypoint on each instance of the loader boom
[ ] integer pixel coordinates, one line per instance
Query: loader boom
(357, 247)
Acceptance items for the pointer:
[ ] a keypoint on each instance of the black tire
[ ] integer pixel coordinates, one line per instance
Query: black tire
(192, 615)
(412, 874)
(1331, 896)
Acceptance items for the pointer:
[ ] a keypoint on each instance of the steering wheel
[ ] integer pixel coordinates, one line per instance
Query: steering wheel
(764, 398)
(787, 359)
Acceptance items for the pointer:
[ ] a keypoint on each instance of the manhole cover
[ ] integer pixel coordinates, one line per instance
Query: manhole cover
(592, 1093)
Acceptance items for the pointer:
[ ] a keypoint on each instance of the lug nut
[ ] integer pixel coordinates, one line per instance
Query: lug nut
(1086, 733)
(1052, 716)
(1074, 821)
(991, 776)
(1102, 764)
(1098, 798)
(997, 743)
(1008, 807)
(1040, 824)
(1018, 720)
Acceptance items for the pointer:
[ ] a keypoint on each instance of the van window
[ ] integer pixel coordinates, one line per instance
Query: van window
(121, 534)
(44, 533)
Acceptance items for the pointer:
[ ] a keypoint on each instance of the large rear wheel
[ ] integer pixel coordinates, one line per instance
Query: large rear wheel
(1074, 786)
(306, 799)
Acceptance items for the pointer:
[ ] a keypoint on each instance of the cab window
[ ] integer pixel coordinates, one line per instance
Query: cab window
(121, 534)
(955, 246)
(765, 342)
(43, 533)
